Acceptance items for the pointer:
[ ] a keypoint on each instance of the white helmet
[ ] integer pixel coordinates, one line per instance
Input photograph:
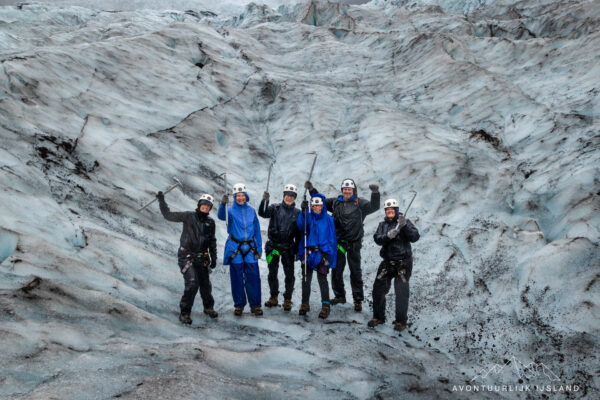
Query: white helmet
(290, 188)
(391, 203)
(206, 199)
(316, 201)
(239, 188)
(348, 183)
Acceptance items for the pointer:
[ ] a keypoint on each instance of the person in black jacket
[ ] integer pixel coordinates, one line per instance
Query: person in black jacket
(197, 253)
(284, 237)
(394, 234)
(349, 214)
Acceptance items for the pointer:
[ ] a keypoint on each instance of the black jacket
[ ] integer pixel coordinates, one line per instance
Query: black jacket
(349, 215)
(283, 231)
(198, 233)
(398, 248)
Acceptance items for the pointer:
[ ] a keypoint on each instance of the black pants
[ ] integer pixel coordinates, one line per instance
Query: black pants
(323, 285)
(287, 260)
(383, 284)
(196, 277)
(337, 274)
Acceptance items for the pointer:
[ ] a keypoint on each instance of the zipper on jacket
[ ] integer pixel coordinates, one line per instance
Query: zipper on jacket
(244, 219)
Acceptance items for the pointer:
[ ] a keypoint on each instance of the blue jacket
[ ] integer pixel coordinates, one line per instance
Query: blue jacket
(321, 232)
(243, 225)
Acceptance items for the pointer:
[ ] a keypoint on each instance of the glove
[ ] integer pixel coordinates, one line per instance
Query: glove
(213, 263)
(160, 196)
(257, 256)
(304, 205)
(308, 185)
(266, 196)
(392, 233)
(225, 199)
(401, 222)
(374, 187)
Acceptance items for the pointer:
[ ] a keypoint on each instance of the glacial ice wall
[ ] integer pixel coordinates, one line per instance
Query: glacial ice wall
(488, 109)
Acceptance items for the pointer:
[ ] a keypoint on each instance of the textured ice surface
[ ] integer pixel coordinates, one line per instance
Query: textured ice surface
(492, 116)
(8, 244)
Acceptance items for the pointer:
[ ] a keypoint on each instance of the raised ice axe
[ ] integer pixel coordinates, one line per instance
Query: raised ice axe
(269, 176)
(178, 183)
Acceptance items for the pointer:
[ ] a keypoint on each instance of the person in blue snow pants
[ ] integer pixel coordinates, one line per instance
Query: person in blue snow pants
(242, 250)
(320, 245)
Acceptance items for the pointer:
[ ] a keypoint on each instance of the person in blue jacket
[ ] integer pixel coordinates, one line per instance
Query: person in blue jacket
(321, 250)
(242, 250)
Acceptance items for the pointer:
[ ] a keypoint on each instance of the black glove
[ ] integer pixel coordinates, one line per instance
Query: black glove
(374, 187)
(308, 185)
(225, 199)
(401, 221)
(213, 262)
(160, 196)
(266, 196)
(304, 205)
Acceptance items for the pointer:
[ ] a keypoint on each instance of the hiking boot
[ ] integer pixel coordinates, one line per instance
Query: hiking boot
(238, 311)
(211, 312)
(304, 308)
(185, 319)
(399, 326)
(257, 311)
(358, 306)
(374, 322)
(272, 302)
(325, 310)
(338, 300)
(287, 305)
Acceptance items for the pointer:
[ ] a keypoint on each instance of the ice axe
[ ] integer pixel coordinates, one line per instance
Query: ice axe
(224, 175)
(178, 183)
(411, 201)
(269, 176)
(305, 264)
(407, 208)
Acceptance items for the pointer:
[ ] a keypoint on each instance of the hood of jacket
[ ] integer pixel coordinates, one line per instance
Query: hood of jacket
(324, 211)
(235, 203)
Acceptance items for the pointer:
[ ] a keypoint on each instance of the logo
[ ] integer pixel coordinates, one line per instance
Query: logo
(531, 371)
(516, 376)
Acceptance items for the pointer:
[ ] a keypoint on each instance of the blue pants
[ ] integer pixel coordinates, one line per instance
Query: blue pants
(245, 280)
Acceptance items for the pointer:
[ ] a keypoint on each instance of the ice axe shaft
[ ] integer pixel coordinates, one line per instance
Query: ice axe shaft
(224, 174)
(407, 208)
(305, 264)
(411, 201)
(165, 192)
(312, 168)
(269, 176)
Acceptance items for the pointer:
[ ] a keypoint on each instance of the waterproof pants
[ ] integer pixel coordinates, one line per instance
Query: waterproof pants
(196, 277)
(323, 285)
(245, 281)
(382, 286)
(337, 274)
(287, 260)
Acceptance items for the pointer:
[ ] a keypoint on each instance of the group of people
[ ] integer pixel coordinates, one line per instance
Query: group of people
(321, 242)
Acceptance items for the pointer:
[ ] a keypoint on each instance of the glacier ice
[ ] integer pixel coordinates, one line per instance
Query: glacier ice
(488, 109)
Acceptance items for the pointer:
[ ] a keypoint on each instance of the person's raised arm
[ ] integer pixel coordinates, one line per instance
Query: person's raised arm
(167, 213)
